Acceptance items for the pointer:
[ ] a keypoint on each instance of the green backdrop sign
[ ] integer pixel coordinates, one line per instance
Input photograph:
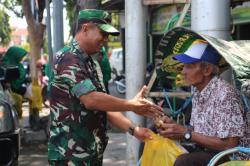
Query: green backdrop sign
(178, 40)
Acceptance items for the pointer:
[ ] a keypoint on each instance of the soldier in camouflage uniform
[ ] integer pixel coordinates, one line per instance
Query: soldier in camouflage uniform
(79, 105)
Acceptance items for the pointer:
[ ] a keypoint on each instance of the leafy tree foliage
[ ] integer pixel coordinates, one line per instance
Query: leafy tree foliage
(12, 6)
(74, 6)
(70, 8)
(5, 30)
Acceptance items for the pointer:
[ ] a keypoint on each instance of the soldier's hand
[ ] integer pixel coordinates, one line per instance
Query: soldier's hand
(148, 109)
(142, 133)
(144, 106)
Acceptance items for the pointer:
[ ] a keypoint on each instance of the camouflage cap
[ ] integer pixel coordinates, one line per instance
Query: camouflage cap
(100, 17)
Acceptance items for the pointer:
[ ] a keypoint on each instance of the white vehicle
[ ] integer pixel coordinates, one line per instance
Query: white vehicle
(116, 59)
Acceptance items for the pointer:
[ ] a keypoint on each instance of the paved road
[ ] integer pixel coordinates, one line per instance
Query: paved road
(35, 154)
(115, 154)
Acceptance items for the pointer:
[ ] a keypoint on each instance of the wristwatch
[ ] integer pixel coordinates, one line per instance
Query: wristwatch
(131, 130)
(188, 135)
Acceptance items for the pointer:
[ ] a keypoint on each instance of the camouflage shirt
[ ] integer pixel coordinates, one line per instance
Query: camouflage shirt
(76, 133)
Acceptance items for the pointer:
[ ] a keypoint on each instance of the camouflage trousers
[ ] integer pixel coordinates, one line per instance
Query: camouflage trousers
(95, 162)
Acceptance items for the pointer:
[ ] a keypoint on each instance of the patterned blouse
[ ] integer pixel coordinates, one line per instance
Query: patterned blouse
(218, 111)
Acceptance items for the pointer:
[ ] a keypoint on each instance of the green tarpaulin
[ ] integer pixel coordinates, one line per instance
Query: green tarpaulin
(235, 53)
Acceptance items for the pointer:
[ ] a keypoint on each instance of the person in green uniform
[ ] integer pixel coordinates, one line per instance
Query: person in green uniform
(79, 105)
(14, 56)
(105, 67)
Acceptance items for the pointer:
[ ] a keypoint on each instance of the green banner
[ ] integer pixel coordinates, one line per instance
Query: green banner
(241, 15)
(178, 40)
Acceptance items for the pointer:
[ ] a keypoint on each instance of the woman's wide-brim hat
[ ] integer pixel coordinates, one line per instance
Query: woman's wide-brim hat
(235, 54)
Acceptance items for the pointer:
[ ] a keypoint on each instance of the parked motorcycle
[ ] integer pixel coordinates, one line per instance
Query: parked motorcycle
(9, 125)
(120, 81)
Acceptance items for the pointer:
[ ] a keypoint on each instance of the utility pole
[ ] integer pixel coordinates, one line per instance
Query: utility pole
(212, 18)
(135, 68)
(57, 25)
(48, 18)
(34, 10)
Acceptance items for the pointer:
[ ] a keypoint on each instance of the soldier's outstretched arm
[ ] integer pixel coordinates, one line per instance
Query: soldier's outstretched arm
(104, 102)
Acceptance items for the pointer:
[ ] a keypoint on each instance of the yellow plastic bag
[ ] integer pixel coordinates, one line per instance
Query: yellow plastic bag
(18, 101)
(36, 99)
(160, 151)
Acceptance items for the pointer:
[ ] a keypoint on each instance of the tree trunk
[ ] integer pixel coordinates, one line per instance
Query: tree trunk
(36, 35)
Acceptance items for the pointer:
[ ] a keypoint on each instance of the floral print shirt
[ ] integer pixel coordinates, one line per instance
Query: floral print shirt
(218, 111)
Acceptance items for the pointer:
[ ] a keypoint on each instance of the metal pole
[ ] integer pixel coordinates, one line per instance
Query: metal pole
(49, 34)
(212, 18)
(135, 36)
(57, 25)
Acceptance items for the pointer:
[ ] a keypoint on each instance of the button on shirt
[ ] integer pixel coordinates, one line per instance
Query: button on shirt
(218, 111)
